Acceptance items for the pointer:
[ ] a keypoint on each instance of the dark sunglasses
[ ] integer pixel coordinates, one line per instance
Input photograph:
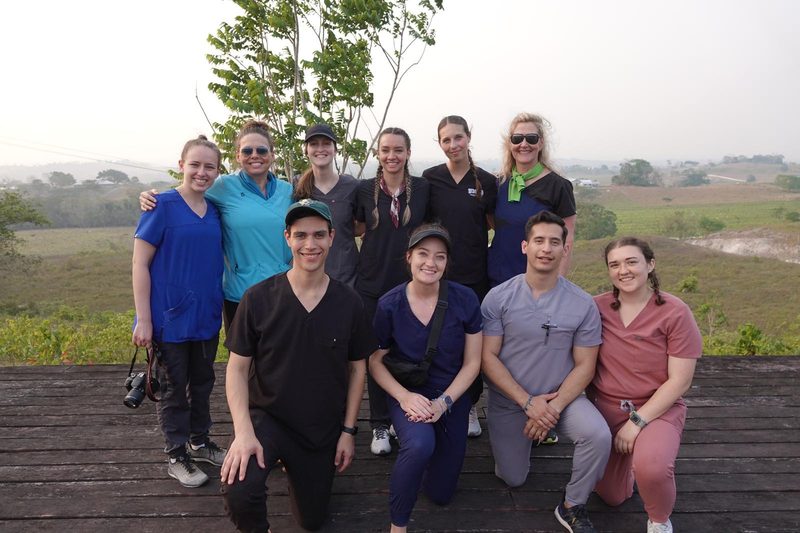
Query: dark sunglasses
(517, 138)
(261, 150)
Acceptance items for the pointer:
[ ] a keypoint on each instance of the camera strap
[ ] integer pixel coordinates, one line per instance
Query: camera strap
(151, 359)
(437, 319)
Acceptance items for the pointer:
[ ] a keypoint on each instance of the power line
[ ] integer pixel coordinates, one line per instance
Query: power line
(70, 152)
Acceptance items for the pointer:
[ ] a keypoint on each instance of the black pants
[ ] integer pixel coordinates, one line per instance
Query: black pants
(378, 407)
(185, 371)
(310, 475)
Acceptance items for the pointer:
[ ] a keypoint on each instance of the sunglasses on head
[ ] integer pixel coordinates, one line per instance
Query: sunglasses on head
(261, 150)
(517, 138)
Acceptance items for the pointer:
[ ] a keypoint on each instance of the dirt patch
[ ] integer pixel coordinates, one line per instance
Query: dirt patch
(756, 242)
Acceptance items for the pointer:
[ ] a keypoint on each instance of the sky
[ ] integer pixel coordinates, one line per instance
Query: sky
(617, 80)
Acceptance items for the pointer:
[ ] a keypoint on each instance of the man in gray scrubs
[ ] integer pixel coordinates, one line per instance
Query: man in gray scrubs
(540, 339)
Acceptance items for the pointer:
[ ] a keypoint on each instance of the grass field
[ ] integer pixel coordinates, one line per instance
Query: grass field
(84, 280)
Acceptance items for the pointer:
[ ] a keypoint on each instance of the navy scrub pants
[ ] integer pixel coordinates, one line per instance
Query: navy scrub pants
(430, 457)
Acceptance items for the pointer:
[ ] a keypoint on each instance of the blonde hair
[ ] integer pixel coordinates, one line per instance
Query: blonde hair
(543, 125)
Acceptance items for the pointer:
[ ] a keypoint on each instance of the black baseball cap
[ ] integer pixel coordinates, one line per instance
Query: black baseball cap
(320, 130)
(432, 231)
(308, 208)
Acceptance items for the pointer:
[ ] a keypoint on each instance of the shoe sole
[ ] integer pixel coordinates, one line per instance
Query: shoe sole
(380, 453)
(187, 485)
(561, 520)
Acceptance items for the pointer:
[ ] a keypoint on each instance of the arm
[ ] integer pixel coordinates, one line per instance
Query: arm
(535, 407)
(417, 407)
(566, 262)
(469, 371)
(680, 372)
(345, 448)
(585, 358)
(143, 253)
(245, 442)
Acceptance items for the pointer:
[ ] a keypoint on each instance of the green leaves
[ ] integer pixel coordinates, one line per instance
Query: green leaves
(293, 63)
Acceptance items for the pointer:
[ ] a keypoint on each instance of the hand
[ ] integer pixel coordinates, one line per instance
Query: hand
(147, 200)
(143, 333)
(239, 452)
(345, 451)
(626, 437)
(534, 431)
(439, 407)
(541, 412)
(416, 406)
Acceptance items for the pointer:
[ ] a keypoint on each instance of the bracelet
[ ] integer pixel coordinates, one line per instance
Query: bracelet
(528, 403)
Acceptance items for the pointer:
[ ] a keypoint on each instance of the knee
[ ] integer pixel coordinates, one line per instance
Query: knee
(417, 448)
(651, 469)
(613, 499)
(512, 479)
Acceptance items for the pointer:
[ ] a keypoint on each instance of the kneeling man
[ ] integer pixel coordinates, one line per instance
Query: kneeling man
(541, 335)
(295, 379)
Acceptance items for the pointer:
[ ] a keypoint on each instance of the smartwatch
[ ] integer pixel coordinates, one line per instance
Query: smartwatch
(448, 401)
(638, 420)
(349, 430)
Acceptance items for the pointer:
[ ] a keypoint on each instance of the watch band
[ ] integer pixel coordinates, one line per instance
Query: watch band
(350, 430)
(637, 419)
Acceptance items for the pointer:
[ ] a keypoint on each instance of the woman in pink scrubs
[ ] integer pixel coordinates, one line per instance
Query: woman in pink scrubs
(651, 343)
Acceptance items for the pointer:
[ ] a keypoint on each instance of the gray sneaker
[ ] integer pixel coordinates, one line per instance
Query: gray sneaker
(186, 472)
(208, 453)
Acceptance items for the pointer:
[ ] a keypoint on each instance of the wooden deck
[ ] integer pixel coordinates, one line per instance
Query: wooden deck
(72, 457)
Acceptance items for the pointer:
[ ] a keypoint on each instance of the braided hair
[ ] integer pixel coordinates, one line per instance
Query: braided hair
(461, 121)
(406, 178)
(649, 256)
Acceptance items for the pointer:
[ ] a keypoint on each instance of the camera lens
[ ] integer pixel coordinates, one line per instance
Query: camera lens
(134, 398)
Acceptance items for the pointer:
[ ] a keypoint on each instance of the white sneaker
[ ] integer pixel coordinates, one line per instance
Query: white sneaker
(474, 428)
(380, 441)
(656, 527)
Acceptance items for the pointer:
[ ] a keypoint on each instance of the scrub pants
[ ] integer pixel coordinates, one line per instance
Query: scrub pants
(430, 456)
(579, 421)
(310, 475)
(185, 373)
(651, 465)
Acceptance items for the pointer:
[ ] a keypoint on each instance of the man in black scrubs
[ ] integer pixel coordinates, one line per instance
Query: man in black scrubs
(295, 379)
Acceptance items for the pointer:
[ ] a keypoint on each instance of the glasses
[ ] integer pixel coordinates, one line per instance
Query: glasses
(261, 150)
(517, 138)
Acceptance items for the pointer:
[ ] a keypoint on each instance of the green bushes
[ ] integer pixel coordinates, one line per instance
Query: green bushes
(68, 336)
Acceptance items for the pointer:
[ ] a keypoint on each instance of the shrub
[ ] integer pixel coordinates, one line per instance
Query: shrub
(688, 284)
(710, 225)
(595, 222)
(792, 216)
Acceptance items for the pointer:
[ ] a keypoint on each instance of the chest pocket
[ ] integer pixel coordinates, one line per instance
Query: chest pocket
(332, 338)
(561, 332)
(650, 358)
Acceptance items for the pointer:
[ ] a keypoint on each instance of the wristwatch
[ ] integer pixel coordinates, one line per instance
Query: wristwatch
(349, 430)
(448, 401)
(638, 420)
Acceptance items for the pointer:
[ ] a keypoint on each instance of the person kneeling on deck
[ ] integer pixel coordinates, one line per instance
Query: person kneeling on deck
(295, 379)
(541, 336)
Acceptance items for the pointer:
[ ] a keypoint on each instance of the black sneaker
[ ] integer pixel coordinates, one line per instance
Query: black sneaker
(575, 519)
(208, 452)
(186, 472)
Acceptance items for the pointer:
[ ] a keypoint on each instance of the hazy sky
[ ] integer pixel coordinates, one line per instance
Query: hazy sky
(619, 79)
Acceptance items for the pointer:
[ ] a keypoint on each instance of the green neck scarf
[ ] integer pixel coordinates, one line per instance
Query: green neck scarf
(517, 182)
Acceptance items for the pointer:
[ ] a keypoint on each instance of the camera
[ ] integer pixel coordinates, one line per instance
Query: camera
(136, 389)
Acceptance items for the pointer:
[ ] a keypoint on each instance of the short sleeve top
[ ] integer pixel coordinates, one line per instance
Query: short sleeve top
(457, 207)
(301, 358)
(382, 259)
(398, 328)
(186, 270)
(539, 333)
(633, 360)
(252, 229)
(550, 193)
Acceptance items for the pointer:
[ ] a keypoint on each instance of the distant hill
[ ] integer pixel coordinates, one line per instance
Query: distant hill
(82, 171)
